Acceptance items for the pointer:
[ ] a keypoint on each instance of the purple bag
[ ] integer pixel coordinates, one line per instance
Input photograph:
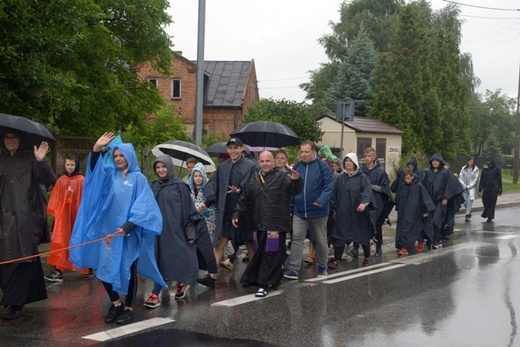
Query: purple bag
(273, 241)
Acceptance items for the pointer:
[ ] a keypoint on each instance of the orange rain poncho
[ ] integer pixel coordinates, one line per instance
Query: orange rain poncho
(64, 205)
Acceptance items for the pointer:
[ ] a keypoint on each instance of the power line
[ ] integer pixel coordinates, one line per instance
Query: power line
(483, 7)
(466, 15)
(284, 79)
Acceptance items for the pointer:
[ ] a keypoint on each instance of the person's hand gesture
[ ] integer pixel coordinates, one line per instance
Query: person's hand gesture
(294, 175)
(40, 152)
(103, 141)
(233, 190)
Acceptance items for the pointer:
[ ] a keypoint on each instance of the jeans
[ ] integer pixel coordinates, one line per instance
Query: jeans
(300, 227)
(468, 203)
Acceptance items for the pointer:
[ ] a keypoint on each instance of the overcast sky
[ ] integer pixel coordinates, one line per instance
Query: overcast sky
(282, 37)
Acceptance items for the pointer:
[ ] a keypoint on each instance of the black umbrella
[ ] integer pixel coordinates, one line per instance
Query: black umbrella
(216, 149)
(32, 132)
(182, 150)
(266, 134)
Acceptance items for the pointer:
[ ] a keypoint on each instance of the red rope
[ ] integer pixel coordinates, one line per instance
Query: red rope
(106, 238)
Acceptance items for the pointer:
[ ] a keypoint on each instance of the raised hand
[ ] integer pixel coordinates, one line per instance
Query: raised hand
(40, 152)
(103, 141)
(294, 175)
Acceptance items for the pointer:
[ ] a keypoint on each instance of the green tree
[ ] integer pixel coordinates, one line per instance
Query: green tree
(300, 117)
(354, 75)
(164, 126)
(70, 64)
(421, 85)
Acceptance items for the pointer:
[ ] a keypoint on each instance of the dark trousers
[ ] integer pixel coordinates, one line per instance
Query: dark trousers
(489, 200)
(132, 287)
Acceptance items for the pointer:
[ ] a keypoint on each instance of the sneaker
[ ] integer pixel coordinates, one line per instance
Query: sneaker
(403, 251)
(333, 264)
(56, 276)
(126, 317)
(181, 290)
(207, 281)
(261, 292)
(226, 264)
(309, 259)
(367, 261)
(489, 220)
(290, 274)
(354, 252)
(114, 312)
(379, 252)
(322, 270)
(467, 218)
(437, 245)
(153, 301)
(91, 273)
(420, 247)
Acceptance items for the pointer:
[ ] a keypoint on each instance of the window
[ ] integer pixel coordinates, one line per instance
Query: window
(176, 89)
(362, 144)
(381, 150)
(253, 92)
(153, 81)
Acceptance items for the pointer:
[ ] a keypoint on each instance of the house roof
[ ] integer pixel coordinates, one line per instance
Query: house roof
(367, 125)
(227, 81)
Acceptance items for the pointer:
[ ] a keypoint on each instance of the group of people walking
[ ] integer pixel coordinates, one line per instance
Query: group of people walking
(119, 225)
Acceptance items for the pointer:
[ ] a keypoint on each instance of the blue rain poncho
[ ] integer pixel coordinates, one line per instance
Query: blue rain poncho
(108, 202)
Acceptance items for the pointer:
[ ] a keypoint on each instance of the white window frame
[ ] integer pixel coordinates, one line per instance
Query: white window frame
(154, 81)
(178, 94)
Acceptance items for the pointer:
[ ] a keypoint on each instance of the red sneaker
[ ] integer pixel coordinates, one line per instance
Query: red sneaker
(420, 246)
(181, 290)
(403, 251)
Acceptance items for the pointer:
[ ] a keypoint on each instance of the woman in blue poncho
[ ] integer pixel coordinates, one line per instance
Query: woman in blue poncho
(117, 199)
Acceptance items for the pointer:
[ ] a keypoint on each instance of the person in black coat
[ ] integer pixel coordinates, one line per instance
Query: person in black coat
(24, 223)
(352, 201)
(442, 186)
(491, 188)
(381, 189)
(267, 196)
(413, 208)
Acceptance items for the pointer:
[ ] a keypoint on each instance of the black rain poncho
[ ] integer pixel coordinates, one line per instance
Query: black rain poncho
(176, 259)
(351, 225)
(412, 204)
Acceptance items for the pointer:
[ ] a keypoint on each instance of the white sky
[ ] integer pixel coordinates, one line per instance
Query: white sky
(281, 36)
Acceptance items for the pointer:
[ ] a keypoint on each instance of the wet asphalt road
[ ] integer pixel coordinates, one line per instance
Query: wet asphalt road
(463, 295)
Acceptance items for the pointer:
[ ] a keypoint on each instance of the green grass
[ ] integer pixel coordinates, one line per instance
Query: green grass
(509, 187)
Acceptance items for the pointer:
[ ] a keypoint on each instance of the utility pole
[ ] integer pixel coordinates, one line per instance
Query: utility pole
(200, 73)
(517, 142)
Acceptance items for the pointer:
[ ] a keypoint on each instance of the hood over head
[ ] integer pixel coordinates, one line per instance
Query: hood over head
(413, 162)
(326, 152)
(127, 149)
(166, 160)
(353, 157)
(77, 170)
(437, 156)
(198, 168)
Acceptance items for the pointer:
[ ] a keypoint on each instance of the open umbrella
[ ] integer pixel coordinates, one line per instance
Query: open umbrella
(221, 148)
(266, 134)
(34, 133)
(180, 151)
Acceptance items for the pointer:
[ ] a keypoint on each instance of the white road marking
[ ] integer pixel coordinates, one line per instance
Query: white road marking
(245, 299)
(128, 329)
(506, 237)
(366, 273)
(343, 273)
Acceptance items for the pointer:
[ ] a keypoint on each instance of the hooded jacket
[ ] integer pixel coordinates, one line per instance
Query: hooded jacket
(64, 205)
(318, 185)
(350, 191)
(177, 260)
(491, 178)
(108, 202)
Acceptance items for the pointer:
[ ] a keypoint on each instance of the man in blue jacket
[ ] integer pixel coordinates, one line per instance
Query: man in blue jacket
(310, 209)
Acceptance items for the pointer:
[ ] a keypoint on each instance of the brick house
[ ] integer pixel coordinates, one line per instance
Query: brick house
(230, 87)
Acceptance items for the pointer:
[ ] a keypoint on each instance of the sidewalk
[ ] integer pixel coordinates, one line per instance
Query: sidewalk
(511, 199)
